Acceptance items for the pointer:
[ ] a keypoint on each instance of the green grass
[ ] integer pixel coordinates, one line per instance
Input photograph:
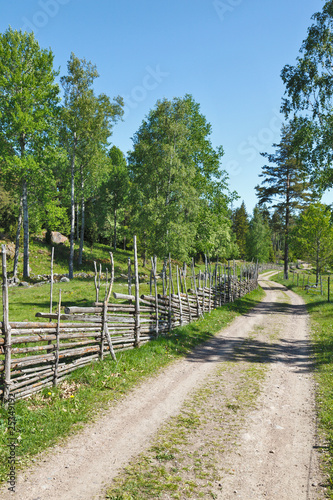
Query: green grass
(321, 314)
(54, 414)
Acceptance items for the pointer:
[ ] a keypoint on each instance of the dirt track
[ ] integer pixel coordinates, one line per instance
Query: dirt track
(276, 458)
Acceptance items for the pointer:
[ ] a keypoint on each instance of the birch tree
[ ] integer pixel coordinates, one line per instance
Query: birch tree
(87, 123)
(172, 166)
(29, 99)
(309, 95)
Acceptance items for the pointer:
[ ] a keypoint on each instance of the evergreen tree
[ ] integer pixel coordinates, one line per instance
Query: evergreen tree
(286, 184)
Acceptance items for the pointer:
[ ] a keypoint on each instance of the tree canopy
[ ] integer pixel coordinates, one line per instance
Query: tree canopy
(309, 91)
(177, 181)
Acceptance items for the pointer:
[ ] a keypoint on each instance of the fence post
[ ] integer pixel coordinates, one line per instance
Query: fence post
(51, 289)
(129, 276)
(156, 298)
(6, 329)
(56, 361)
(328, 288)
(137, 298)
(179, 299)
(170, 291)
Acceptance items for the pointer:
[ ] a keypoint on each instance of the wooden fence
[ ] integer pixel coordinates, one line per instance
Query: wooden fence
(37, 354)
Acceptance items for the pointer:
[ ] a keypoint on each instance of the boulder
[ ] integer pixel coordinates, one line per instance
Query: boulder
(58, 238)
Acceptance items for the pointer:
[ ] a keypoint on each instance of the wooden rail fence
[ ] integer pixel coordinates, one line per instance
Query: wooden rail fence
(35, 355)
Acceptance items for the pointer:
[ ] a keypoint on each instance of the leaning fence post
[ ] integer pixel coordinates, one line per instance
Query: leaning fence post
(137, 298)
(6, 329)
(105, 328)
(179, 299)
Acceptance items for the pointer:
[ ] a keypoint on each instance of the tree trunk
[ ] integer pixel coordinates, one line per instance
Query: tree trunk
(82, 219)
(317, 262)
(26, 271)
(17, 242)
(287, 222)
(115, 230)
(144, 255)
(72, 235)
(77, 223)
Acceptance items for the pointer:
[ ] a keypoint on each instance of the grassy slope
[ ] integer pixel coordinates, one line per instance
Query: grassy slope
(321, 313)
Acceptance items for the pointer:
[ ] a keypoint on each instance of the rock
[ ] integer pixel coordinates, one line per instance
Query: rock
(11, 250)
(64, 279)
(23, 283)
(58, 238)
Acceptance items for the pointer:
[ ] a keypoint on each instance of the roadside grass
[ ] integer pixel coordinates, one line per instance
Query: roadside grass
(54, 414)
(321, 314)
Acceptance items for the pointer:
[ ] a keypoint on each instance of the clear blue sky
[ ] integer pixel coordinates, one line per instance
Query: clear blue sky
(227, 53)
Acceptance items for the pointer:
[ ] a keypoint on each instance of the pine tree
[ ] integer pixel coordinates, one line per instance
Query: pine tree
(286, 184)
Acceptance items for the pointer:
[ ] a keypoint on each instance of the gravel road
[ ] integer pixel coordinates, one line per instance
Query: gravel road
(277, 455)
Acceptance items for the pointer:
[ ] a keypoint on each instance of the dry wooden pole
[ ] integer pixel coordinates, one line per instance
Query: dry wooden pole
(164, 277)
(105, 329)
(328, 288)
(187, 297)
(6, 329)
(180, 299)
(56, 360)
(154, 267)
(51, 290)
(129, 276)
(170, 291)
(97, 280)
(199, 312)
(137, 297)
(210, 292)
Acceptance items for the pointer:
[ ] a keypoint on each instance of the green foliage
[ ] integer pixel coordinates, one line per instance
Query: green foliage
(113, 197)
(258, 242)
(178, 189)
(286, 184)
(309, 90)
(313, 236)
(29, 100)
(241, 227)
